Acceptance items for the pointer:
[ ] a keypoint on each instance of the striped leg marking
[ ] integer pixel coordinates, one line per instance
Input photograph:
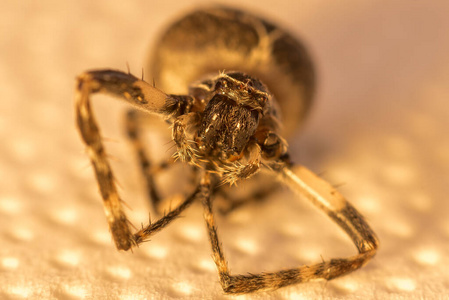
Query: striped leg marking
(325, 197)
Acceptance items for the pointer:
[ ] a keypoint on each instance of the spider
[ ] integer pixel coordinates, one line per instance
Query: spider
(226, 127)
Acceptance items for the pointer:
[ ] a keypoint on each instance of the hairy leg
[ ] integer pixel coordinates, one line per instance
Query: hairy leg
(134, 123)
(331, 202)
(183, 129)
(138, 93)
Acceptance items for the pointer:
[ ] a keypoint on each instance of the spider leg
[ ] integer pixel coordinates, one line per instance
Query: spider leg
(183, 128)
(138, 93)
(326, 198)
(134, 120)
(144, 234)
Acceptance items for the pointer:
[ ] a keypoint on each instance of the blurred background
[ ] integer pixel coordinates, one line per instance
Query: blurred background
(378, 129)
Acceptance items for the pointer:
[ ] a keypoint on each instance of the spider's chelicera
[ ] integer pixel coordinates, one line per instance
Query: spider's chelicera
(226, 128)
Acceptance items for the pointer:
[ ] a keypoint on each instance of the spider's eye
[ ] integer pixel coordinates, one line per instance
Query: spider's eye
(221, 84)
(271, 140)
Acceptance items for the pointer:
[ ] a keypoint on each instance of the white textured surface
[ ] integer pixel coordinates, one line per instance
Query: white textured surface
(380, 125)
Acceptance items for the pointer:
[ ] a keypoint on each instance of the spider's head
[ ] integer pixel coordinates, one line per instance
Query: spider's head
(244, 90)
(232, 114)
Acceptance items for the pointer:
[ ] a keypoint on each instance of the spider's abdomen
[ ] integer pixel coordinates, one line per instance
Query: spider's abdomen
(226, 127)
(210, 40)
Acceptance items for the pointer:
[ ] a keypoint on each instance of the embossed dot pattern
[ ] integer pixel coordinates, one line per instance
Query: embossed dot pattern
(378, 130)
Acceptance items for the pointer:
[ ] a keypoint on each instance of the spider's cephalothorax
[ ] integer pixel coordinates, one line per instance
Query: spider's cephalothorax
(227, 127)
(235, 103)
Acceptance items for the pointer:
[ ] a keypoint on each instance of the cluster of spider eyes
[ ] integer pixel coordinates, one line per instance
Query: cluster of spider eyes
(247, 87)
(223, 83)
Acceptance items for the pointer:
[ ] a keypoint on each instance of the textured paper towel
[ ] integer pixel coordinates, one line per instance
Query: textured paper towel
(379, 125)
